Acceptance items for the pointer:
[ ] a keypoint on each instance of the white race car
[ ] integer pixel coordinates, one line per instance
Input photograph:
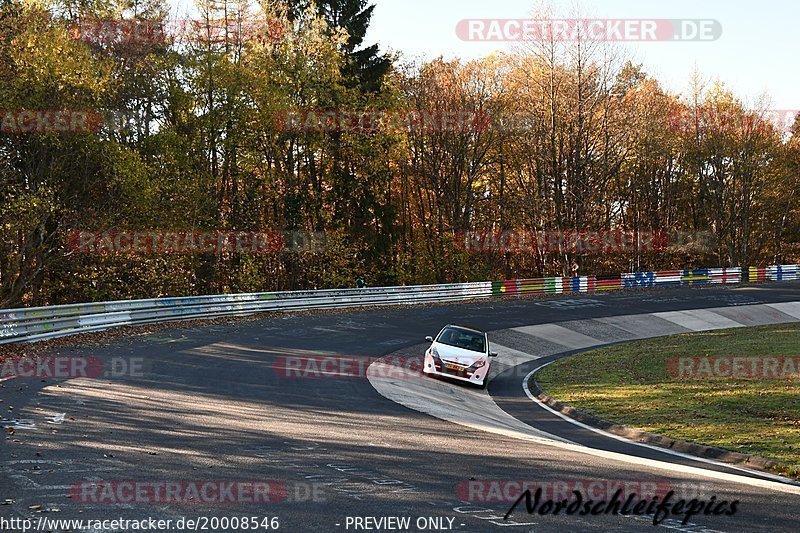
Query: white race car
(459, 353)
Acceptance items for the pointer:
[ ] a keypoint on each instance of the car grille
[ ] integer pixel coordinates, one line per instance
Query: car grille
(454, 369)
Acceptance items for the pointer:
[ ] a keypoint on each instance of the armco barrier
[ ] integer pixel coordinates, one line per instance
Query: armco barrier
(674, 277)
(609, 282)
(18, 325)
(682, 277)
(57, 321)
(725, 275)
(775, 273)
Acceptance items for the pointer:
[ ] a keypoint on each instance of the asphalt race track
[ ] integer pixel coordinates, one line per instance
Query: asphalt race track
(214, 404)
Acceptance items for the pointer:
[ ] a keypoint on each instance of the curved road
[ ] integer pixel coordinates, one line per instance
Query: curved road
(213, 404)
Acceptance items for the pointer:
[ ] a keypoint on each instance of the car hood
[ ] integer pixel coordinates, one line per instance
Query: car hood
(458, 355)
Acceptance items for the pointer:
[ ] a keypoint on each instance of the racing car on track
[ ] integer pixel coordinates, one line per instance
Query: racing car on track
(459, 353)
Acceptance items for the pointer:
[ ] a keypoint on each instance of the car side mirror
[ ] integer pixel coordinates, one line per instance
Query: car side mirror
(492, 354)
(429, 338)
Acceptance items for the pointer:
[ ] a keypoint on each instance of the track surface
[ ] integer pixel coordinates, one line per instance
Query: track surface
(211, 406)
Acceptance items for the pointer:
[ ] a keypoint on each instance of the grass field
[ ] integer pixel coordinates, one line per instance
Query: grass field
(631, 384)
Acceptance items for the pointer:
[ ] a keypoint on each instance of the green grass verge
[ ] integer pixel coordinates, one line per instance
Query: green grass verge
(630, 384)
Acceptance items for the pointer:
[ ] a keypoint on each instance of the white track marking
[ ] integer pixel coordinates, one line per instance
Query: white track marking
(777, 482)
(476, 409)
(643, 326)
(560, 335)
(788, 308)
(699, 320)
(509, 356)
(469, 407)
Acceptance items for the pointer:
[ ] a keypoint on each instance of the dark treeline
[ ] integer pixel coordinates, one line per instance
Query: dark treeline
(571, 136)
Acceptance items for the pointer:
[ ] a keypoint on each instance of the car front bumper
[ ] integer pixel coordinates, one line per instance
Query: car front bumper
(438, 368)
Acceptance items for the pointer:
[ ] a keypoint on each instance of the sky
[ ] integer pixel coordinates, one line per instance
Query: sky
(756, 53)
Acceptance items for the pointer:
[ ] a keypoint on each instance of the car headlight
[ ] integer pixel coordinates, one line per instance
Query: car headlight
(480, 363)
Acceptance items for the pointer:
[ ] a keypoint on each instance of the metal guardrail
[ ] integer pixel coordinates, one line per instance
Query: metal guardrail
(41, 323)
(775, 273)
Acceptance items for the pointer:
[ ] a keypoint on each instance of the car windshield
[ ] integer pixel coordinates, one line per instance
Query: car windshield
(462, 338)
